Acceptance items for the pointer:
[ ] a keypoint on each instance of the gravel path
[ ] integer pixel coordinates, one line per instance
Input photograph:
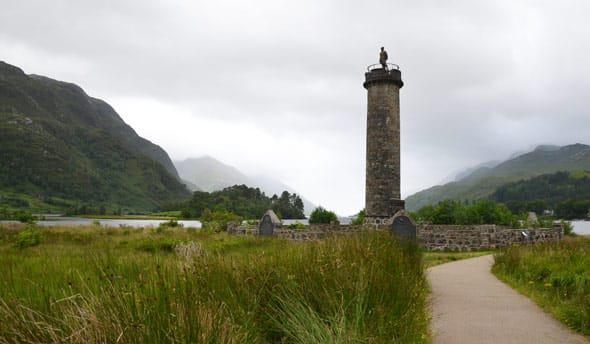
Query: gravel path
(470, 305)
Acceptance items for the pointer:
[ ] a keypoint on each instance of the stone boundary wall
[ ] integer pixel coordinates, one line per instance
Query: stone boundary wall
(432, 237)
(314, 232)
(481, 237)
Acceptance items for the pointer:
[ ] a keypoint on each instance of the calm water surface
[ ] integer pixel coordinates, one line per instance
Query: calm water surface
(80, 221)
(581, 227)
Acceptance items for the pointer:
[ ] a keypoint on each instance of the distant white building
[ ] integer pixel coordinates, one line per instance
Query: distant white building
(532, 217)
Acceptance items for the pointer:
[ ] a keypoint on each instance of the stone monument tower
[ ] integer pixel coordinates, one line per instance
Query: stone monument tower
(382, 190)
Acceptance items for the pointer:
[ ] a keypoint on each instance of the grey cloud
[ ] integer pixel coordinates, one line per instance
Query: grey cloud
(483, 79)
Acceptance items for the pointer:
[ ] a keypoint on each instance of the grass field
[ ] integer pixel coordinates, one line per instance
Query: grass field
(161, 285)
(556, 275)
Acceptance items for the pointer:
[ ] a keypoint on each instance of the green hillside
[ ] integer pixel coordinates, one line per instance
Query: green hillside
(59, 147)
(567, 193)
(484, 181)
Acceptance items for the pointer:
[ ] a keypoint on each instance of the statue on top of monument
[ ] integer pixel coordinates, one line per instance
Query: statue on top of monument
(383, 58)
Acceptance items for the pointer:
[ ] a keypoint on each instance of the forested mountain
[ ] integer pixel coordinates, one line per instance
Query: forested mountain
(567, 193)
(60, 147)
(482, 182)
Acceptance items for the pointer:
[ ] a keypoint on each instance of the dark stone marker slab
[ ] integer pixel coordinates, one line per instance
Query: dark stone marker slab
(403, 226)
(266, 226)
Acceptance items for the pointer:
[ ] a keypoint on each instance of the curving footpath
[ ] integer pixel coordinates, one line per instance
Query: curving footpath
(468, 304)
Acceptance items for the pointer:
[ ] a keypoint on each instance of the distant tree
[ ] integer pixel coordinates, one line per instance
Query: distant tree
(321, 215)
(288, 206)
(445, 212)
(360, 218)
(250, 203)
(298, 204)
(544, 192)
(479, 212)
(489, 212)
(573, 209)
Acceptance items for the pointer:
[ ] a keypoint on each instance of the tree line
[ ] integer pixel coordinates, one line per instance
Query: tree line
(450, 212)
(566, 193)
(241, 200)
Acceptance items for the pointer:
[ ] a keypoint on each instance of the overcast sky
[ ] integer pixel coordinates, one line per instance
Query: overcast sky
(275, 87)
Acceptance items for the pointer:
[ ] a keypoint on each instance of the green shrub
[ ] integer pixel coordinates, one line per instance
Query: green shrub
(157, 245)
(450, 212)
(24, 217)
(29, 237)
(211, 227)
(217, 220)
(297, 226)
(359, 219)
(320, 215)
(171, 223)
(568, 228)
(164, 227)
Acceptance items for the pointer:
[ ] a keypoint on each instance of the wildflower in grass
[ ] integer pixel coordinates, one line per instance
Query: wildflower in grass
(547, 285)
(531, 282)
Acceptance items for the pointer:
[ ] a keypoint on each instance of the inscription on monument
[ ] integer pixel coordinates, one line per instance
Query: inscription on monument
(266, 226)
(403, 227)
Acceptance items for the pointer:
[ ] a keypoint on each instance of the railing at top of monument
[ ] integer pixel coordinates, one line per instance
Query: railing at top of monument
(390, 66)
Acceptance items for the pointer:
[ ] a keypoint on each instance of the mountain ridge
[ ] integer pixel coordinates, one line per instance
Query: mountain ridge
(60, 145)
(482, 182)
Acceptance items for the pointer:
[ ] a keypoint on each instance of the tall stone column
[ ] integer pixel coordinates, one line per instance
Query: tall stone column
(382, 192)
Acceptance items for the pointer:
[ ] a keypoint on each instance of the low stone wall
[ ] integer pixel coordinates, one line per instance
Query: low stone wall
(432, 237)
(316, 232)
(481, 237)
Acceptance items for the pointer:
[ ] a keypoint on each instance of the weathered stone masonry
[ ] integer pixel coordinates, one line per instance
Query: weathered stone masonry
(481, 237)
(431, 237)
(382, 189)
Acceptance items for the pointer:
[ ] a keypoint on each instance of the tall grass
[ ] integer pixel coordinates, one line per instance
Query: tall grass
(97, 285)
(555, 274)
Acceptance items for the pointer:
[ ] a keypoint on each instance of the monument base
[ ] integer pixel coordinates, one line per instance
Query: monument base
(378, 221)
(385, 220)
